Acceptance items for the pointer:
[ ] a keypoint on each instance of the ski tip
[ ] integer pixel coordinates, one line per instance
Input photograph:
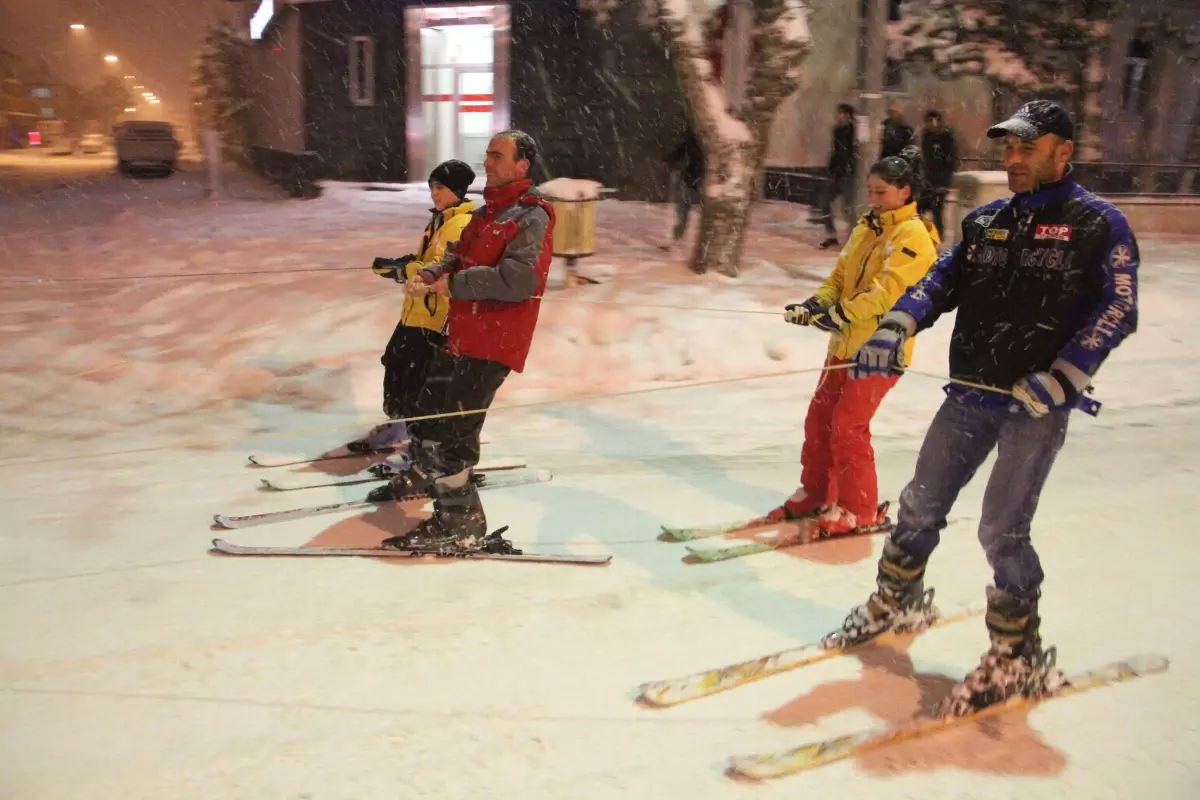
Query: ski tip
(267, 485)
(221, 522)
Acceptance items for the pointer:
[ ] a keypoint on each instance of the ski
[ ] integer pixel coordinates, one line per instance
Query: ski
(277, 485)
(809, 534)
(483, 481)
(279, 460)
(809, 756)
(714, 681)
(687, 534)
(293, 461)
(388, 552)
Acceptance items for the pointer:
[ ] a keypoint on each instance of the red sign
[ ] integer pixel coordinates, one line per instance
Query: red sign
(1060, 232)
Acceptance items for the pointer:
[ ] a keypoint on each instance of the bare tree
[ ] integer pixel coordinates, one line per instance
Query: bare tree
(734, 142)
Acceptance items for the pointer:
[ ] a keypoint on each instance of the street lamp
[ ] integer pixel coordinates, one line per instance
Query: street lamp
(111, 59)
(77, 26)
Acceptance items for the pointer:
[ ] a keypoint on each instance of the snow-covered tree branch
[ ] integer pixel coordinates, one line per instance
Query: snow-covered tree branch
(734, 142)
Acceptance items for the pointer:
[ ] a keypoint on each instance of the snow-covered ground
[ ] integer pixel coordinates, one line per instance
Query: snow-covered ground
(135, 664)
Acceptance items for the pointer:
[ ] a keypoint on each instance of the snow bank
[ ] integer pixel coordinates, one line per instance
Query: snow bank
(572, 189)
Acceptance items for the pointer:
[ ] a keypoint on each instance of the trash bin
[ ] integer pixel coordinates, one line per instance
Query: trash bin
(574, 202)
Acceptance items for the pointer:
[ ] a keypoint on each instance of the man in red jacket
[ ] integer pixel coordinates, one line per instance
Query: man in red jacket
(494, 277)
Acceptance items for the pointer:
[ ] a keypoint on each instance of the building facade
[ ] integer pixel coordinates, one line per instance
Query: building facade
(383, 90)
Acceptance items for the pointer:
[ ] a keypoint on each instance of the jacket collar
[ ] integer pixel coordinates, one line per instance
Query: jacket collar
(507, 194)
(465, 207)
(1045, 194)
(890, 219)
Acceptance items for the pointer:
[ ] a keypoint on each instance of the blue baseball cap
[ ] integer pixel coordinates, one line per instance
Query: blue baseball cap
(1034, 120)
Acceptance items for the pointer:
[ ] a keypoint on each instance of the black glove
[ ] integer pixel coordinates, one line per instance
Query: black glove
(384, 267)
(392, 267)
(831, 319)
(801, 313)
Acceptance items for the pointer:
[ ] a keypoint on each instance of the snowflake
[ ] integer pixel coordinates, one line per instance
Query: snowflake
(1093, 341)
(917, 293)
(1120, 257)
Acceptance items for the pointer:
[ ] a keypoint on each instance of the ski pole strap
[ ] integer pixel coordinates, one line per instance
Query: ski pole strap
(1088, 405)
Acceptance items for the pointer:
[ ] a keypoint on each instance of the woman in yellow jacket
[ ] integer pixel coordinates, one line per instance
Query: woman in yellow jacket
(422, 327)
(890, 249)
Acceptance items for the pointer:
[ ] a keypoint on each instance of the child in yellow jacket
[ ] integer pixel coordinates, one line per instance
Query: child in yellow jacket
(889, 250)
(422, 327)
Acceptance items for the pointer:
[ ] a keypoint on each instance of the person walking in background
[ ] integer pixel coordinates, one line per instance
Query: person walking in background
(897, 134)
(842, 155)
(940, 152)
(688, 163)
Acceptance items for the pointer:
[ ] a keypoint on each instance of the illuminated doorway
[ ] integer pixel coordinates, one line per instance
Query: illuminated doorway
(457, 84)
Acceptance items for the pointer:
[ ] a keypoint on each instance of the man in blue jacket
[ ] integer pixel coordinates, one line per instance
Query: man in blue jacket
(1045, 286)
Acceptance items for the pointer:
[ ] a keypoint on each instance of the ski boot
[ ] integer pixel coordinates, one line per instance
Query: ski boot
(797, 508)
(391, 466)
(410, 484)
(387, 436)
(837, 521)
(1015, 664)
(457, 524)
(900, 602)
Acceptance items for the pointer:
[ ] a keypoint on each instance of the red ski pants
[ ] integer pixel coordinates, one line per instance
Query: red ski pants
(838, 462)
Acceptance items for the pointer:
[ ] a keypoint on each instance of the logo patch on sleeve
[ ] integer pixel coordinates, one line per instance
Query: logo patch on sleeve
(1059, 232)
(908, 252)
(996, 234)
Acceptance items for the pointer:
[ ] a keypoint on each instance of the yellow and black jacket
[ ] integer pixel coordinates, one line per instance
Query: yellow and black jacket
(443, 229)
(884, 256)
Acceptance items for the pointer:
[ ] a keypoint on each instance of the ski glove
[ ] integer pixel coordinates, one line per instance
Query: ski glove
(883, 354)
(391, 267)
(832, 319)
(801, 313)
(1042, 392)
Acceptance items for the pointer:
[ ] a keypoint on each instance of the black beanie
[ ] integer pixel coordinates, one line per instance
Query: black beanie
(455, 175)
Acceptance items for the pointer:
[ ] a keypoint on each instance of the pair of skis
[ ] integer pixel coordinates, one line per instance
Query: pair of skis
(494, 475)
(767, 535)
(500, 478)
(765, 766)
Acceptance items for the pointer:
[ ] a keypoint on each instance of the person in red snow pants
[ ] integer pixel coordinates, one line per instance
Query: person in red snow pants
(889, 250)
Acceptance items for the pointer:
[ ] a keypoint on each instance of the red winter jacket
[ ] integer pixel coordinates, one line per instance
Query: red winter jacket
(498, 272)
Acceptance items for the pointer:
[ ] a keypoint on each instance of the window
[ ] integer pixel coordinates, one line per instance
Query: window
(362, 71)
(1136, 62)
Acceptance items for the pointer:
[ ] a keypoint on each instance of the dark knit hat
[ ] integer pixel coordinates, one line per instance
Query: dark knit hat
(455, 175)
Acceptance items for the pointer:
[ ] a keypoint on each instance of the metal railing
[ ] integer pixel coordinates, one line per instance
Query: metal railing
(804, 184)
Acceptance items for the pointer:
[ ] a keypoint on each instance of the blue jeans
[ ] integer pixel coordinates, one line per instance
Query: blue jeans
(957, 443)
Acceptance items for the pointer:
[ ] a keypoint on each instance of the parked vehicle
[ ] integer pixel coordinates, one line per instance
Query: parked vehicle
(53, 138)
(93, 139)
(146, 143)
(92, 143)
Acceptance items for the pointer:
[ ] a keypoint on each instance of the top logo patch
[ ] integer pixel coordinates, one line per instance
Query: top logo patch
(996, 234)
(1060, 232)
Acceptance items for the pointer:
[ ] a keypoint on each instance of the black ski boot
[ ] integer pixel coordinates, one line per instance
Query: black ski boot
(1014, 665)
(414, 482)
(900, 601)
(457, 523)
